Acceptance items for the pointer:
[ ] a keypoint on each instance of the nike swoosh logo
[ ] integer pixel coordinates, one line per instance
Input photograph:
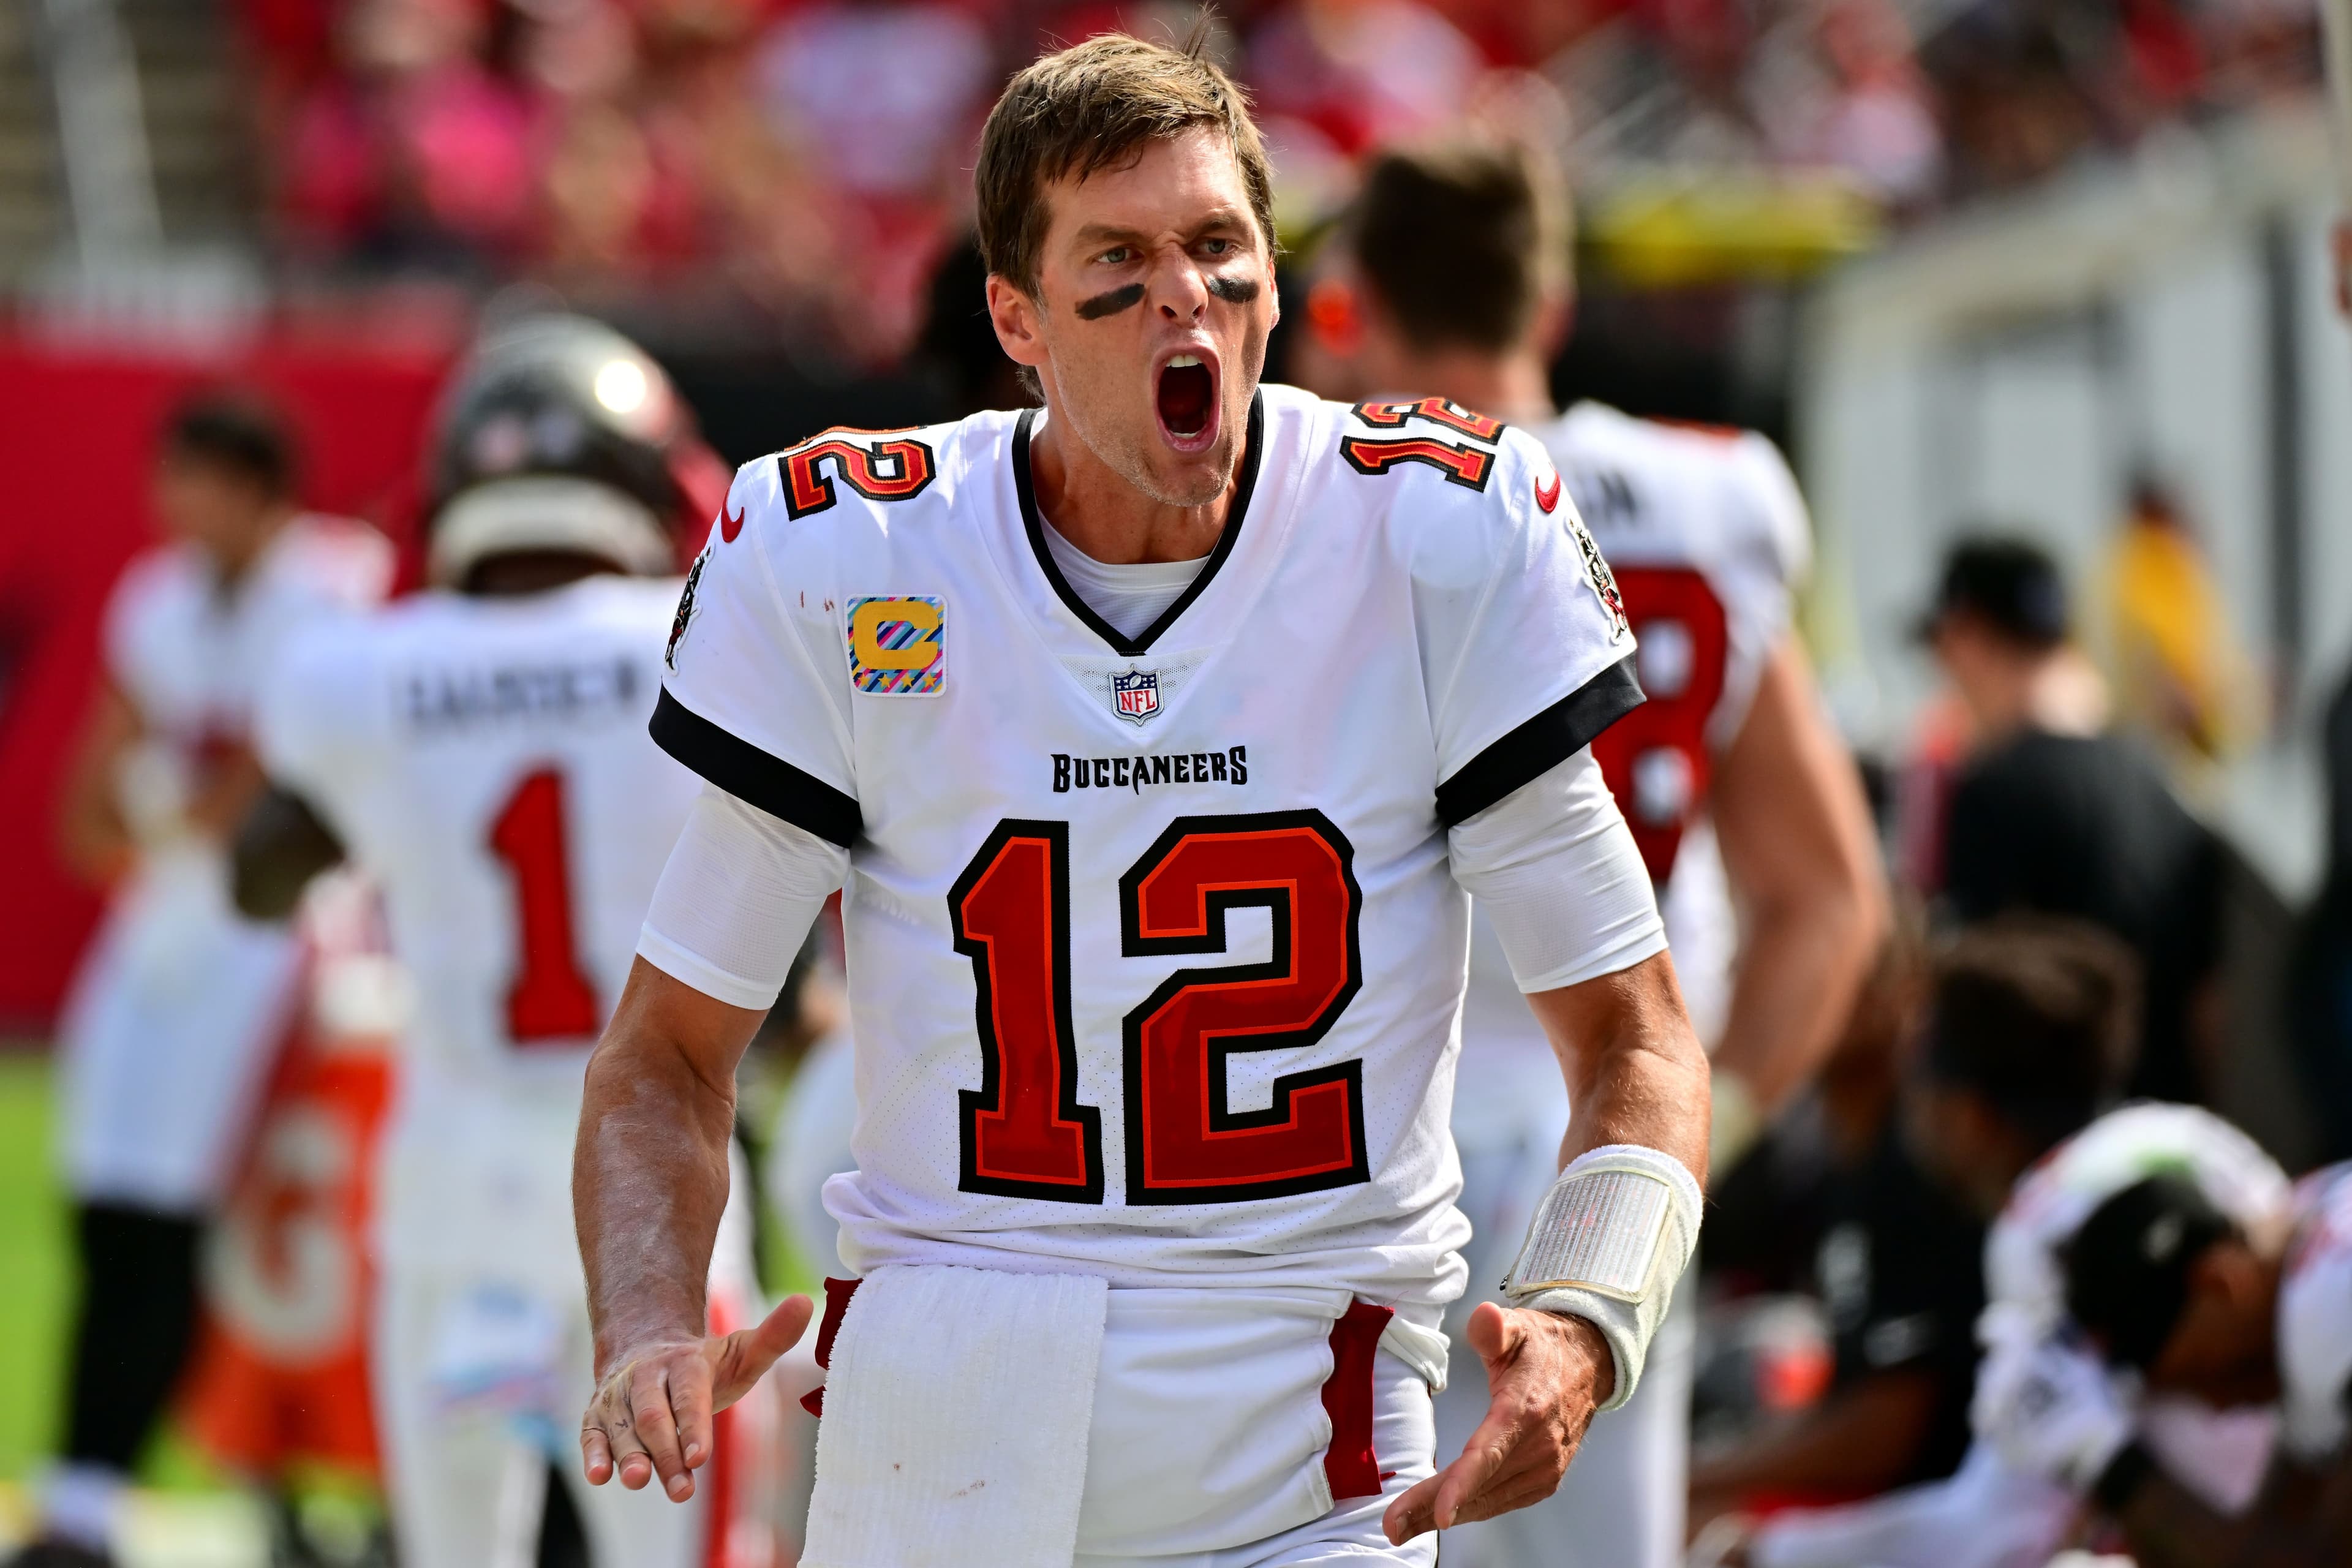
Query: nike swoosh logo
(730, 523)
(1547, 496)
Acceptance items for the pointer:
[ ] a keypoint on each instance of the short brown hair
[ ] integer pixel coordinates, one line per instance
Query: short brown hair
(1093, 106)
(1460, 242)
(2038, 1015)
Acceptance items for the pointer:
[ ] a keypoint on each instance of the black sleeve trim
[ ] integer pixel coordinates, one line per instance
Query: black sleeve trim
(1540, 744)
(751, 775)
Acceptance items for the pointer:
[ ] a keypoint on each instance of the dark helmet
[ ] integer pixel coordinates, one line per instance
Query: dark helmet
(557, 433)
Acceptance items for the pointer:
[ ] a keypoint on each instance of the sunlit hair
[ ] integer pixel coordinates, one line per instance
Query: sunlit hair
(1096, 106)
(1460, 242)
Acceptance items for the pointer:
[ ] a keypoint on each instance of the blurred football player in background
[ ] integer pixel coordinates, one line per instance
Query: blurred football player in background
(1453, 281)
(2026, 1026)
(2004, 1507)
(169, 1028)
(481, 750)
(2176, 1298)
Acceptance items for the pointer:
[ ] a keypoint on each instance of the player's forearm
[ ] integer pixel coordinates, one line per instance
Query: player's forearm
(1798, 847)
(1635, 1071)
(93, 838)
(2168, 1526)
(1801, 960)
(650, 1169)
(226, 793)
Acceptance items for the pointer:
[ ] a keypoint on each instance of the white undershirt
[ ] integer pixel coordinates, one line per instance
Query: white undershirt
(1553, 864)
(1130, 597)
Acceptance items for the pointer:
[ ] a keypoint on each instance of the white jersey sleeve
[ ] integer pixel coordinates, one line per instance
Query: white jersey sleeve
(2314, 1320)
(755, 692)
(1526, 651)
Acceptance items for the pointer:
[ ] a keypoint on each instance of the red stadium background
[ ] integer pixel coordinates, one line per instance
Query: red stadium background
(77, 431)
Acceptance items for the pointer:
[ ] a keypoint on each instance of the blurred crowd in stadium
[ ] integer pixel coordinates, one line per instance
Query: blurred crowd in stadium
(804, 158)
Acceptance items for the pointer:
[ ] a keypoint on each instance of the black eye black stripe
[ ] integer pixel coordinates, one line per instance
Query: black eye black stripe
(1110, 304)
(1234, 290)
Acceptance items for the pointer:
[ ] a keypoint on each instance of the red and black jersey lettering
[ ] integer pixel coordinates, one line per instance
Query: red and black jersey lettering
(1184, 1143)
(1023, 1132)
(1656, 759)
(1466, 466)
(1391, 413)
(887, 470)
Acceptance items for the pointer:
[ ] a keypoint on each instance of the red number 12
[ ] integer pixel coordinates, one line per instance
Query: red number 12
(1023, 1134)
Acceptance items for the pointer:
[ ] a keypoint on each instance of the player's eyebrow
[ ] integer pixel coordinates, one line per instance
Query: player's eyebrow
(1094, 233)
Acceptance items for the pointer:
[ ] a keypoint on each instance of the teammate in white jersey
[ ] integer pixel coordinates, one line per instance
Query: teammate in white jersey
(1451, 280)
(2176, 1298)
(1157, 734)
(179, 1005)
(481, 750)
(2006, 1508)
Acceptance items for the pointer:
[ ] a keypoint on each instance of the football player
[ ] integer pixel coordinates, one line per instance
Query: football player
(479, 750)
(1157, 734)
(1451, 280)
(1997, 1511)
(2176, 1298)
(171, 1026)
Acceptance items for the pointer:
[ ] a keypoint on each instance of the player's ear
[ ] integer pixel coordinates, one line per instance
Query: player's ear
(1555, 317)
(1016, 318)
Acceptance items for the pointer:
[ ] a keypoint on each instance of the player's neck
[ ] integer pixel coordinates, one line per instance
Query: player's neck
(1514, 387)
(232, 563)
(1096, 508)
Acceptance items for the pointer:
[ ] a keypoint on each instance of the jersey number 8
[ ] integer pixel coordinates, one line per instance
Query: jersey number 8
(1656, 759)
(1022, 1132)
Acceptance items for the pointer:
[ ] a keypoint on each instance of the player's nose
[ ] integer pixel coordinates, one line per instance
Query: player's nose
(1178, 289)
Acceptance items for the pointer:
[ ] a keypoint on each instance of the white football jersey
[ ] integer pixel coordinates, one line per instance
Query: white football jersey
(1709, 539)
(2314, 1318)
(191, 657)
(1155, 957)
(486, 761)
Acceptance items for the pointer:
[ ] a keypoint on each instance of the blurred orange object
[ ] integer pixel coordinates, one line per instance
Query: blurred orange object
(281, 1373)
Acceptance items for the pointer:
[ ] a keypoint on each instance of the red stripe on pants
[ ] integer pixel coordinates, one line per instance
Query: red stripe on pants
(1348, 1464)
(838, 1293)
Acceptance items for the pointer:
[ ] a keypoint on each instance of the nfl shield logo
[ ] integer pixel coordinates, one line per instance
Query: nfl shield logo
(1136, 694)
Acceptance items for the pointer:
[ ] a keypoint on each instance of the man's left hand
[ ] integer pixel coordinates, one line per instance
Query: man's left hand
(1546, 1374)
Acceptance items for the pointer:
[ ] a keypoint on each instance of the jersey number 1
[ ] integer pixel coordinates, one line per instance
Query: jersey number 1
(550, 998)
(1025, 1134)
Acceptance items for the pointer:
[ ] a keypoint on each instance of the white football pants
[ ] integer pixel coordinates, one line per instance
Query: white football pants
(482, 1363)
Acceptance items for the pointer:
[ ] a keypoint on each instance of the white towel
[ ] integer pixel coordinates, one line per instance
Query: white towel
(957, 1407)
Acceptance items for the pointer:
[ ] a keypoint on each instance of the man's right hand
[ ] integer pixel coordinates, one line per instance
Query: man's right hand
(652, 1412)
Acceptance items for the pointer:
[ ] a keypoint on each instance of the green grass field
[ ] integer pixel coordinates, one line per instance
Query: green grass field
(189, 1514)
(33, 1268)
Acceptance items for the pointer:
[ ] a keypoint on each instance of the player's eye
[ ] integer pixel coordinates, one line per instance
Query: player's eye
(1216, 246)
(1117, 256)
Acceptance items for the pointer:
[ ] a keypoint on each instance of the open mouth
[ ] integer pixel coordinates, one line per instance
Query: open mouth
(1186, 398)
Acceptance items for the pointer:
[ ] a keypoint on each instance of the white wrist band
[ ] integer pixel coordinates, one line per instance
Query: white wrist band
(1608, 1241)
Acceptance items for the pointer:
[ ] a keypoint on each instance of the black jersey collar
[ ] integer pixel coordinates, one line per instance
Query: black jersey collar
(1120, 643)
